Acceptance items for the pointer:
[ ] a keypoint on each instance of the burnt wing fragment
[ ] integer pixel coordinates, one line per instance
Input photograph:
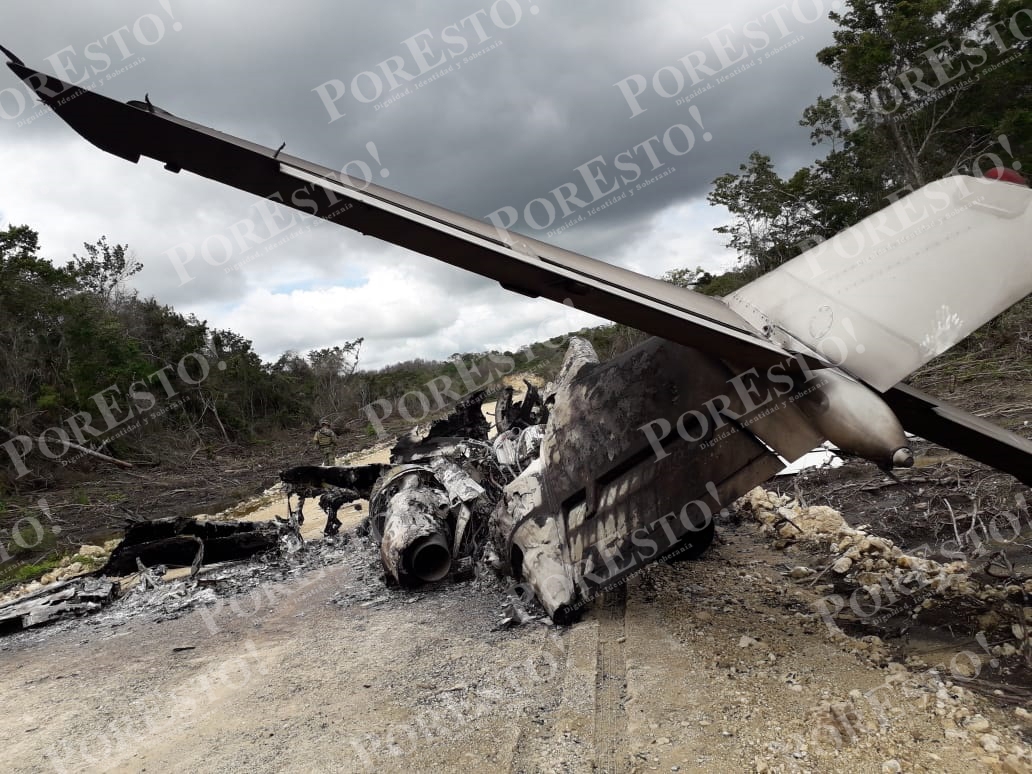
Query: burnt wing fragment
(334, 486)
(175, 542)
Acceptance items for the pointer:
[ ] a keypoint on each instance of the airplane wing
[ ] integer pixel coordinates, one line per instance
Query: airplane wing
(905, 284)
(518, 263)
(972, 436)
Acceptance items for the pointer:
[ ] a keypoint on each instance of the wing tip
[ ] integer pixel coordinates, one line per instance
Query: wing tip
(12, 57)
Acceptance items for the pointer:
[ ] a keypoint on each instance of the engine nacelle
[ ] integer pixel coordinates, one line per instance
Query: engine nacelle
(855, 419)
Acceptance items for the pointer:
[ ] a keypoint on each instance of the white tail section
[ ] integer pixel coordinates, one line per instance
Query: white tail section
(905, 284)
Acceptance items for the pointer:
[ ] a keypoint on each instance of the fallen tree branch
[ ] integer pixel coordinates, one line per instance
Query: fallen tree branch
(83, 449)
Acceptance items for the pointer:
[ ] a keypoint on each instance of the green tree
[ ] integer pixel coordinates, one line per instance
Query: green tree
(927, 88)
(771, 215)
(32, 297)
(104, 269)
(331, 369)
(891, 57)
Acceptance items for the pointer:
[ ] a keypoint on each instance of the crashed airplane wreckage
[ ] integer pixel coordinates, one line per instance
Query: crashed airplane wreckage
(816, 349)
(452, 497)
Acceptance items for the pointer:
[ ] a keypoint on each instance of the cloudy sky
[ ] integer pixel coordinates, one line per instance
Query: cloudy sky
(515, 99)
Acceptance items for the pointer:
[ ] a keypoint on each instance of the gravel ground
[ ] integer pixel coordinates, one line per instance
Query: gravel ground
(717, 665)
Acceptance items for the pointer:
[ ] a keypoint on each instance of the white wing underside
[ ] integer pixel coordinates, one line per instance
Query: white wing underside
(904, 285)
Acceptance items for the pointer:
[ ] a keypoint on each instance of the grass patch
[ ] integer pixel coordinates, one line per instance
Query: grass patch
(31, 552)
(30, 537)
(16, 572)
(25, 571)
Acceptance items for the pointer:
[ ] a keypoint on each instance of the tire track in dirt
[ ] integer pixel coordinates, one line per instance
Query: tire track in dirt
(561, 736)
(610, 682)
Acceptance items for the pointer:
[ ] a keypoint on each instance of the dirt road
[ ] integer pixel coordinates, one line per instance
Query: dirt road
(719, 665)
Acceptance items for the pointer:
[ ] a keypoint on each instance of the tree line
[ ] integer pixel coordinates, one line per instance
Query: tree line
(924, 89)
(86, 363)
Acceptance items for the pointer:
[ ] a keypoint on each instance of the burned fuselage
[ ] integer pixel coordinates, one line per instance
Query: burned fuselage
(633, 459)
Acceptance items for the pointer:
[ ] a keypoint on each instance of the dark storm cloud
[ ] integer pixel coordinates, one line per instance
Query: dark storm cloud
(538, 109)
(505, 129)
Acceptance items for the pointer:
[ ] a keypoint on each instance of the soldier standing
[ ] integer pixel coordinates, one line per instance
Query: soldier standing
(325, 439)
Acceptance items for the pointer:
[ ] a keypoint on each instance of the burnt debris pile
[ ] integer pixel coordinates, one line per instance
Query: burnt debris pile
(189, 542)
(164, 565)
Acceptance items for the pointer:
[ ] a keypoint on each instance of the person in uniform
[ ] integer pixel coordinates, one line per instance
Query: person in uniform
(326, 441)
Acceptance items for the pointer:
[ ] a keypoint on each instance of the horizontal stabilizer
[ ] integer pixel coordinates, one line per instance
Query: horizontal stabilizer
(972, 436)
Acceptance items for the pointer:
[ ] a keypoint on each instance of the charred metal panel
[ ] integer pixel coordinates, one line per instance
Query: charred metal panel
(334, 486)
(361, 478)
(465, 420)
(601, 502)
(177, 540)
(596, 434)
(768, 403)
(524, 413)
(535, 552)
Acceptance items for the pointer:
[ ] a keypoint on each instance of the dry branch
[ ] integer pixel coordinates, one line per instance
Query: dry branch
(83, 449)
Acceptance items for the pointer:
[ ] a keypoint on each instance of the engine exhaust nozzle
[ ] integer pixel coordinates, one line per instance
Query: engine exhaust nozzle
(903, 458)
(428, 558)
(414, 547)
